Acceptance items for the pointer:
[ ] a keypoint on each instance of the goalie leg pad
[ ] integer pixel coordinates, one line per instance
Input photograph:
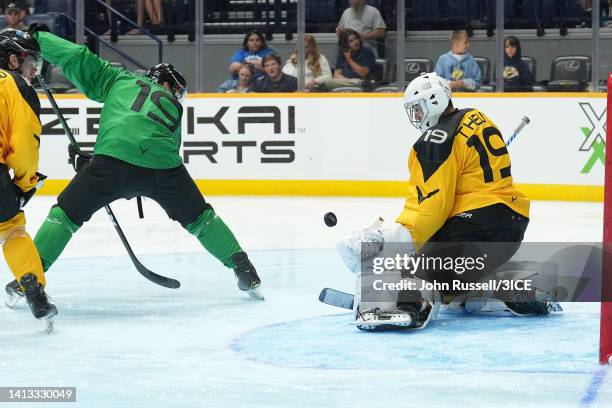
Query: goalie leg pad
(522, 303)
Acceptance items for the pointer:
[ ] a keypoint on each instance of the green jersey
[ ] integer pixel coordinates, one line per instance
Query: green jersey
(140, 122)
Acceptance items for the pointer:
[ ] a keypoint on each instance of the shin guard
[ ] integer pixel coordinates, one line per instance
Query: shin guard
(53, 236)
(215, 237)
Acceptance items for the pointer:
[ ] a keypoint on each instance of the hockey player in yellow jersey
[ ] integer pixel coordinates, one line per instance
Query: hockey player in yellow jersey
(460, 193)
(20, 130)
(460, 166)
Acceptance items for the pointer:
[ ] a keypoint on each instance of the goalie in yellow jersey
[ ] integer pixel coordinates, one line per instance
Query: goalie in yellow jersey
(20, 131)
(460, 197)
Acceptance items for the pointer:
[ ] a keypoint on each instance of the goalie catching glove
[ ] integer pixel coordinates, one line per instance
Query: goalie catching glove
(364, 245)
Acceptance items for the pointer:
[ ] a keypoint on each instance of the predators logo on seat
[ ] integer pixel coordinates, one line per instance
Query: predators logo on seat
(459, 165)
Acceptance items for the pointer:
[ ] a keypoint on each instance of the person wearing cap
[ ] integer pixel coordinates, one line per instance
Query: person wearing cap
(14, 13)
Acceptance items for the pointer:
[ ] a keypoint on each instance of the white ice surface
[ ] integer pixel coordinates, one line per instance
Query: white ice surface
(124, 342)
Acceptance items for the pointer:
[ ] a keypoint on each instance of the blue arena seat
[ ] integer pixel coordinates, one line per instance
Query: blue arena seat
(321, 11)
(455, 10)
(57, 6)
(423, 11)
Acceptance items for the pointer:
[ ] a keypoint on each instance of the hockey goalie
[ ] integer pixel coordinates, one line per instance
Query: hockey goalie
(461, 204)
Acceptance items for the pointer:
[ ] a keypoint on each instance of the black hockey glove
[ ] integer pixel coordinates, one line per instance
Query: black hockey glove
(24, 196)
(35, 28)
(77, 158)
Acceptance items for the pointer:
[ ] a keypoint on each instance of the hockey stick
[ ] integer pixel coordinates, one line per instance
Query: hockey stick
(336, 298)
(344, 300)
(150, 275)
(524, 122)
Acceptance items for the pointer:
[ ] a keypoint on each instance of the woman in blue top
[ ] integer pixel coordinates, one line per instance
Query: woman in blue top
(254, 48)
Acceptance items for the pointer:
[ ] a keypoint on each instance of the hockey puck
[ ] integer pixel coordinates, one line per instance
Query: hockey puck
(330, 219)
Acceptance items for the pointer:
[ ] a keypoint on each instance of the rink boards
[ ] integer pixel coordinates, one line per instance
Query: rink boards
(351, 144)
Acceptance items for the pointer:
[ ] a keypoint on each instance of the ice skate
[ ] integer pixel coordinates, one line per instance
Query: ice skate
(379, 320)
(246, 276)
(41, 308)
(15, 294)
(533, 302)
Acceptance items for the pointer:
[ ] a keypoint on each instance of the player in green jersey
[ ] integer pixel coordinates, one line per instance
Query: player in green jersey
(136, 154)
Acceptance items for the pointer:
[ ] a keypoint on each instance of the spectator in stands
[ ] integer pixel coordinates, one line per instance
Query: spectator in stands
(317, 66)
(354, 61)
(22, 5)
(12, 16)
(459, 66)
(364, 19)
(517, 77)
(274, 80)
(243, 84)
(154, 12)
(254, 49)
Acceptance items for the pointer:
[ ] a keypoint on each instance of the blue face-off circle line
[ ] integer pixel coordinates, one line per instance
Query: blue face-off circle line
(237, 346)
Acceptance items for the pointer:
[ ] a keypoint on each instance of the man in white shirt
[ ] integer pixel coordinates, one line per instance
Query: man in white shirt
(364, 19)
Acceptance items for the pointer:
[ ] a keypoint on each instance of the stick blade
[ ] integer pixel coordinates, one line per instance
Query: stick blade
(155, 278)
(336, 298)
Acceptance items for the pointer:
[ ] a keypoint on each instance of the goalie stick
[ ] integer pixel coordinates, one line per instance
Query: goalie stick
(344, 300)
(150, 275)
(336, 298)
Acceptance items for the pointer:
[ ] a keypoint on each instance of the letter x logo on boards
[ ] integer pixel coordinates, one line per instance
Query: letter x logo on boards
(595, 136)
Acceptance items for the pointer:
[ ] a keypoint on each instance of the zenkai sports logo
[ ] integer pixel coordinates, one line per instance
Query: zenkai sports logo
(595, 137)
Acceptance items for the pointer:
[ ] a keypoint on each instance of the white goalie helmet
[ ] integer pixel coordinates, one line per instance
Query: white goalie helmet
(425, 99)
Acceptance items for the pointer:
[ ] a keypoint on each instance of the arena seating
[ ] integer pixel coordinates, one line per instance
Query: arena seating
(413, 67)
(58, 82)
(570, 73)
(485, 69)
(237, 16)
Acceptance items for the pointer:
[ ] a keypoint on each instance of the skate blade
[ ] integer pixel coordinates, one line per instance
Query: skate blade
(383, 325)
(49, 320)
(255, 294)
(49, 324)
(12, 301)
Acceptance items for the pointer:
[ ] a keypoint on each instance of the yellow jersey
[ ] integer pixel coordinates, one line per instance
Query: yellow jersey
(459, 165)
(20, 128)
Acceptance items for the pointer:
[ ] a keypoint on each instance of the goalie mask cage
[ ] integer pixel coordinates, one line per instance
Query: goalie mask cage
(605, 333)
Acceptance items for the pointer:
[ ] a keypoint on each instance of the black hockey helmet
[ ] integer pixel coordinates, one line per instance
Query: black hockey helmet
(165, 72)
(22, 45)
